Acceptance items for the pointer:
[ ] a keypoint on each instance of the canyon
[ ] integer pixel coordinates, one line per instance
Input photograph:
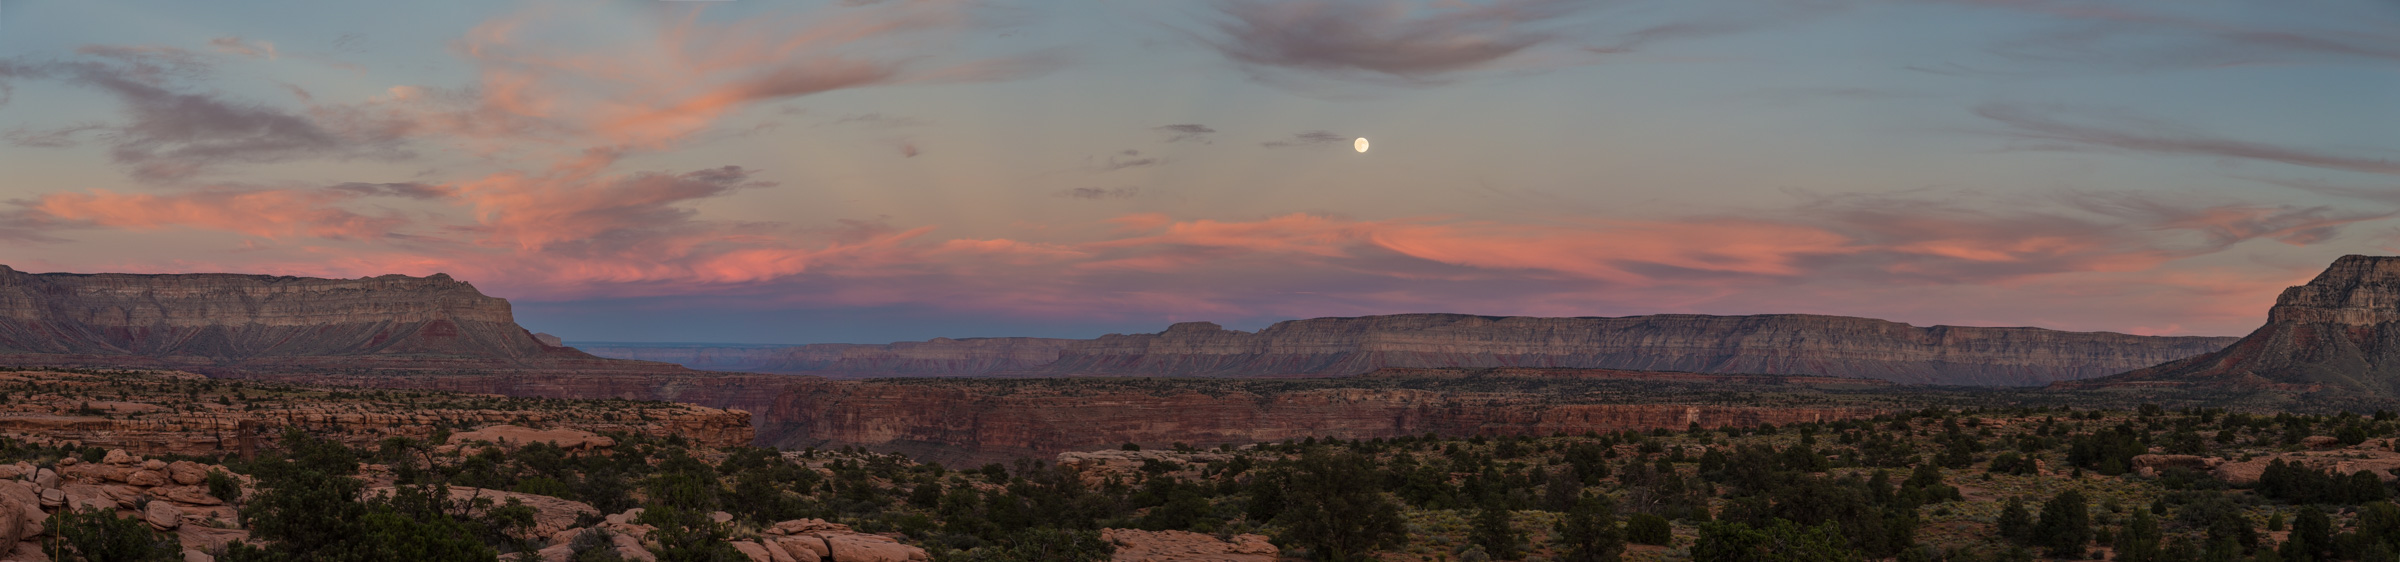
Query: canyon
(1331, 347)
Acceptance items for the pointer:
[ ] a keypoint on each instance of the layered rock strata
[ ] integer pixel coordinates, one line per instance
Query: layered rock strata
(2338, 333)
(266, 322)
(1776, 344)
(975, 424)
(157, 414)
(169, 496)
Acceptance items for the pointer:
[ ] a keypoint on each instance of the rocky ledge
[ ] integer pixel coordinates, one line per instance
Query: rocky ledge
(2337, 336)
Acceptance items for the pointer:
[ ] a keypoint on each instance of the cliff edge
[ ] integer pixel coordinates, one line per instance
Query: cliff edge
(2339, 332)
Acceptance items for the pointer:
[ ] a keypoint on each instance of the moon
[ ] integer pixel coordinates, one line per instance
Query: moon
(1361, 145)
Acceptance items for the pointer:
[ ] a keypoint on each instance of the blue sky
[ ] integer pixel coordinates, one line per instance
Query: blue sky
(873, 171)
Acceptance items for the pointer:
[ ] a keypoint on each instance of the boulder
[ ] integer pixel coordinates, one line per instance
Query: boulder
(197, 556)
(12, 471)
(720, 517)
(803, 549)
(557, 553)
(46, 478)
(798, 526)
(147, 478)
(86, 496)
(2163, 462)
(162, 516)
(118, 457)
(53, 498)
(154, 464)
(187, 472)
(12, 523)
(631, 548)
(752, 550)
(871, 548)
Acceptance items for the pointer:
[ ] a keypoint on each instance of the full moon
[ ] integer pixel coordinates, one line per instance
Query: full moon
(1361, 145)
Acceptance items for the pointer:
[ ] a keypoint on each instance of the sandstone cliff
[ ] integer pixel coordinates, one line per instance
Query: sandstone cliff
(261, 321)
(2340, 333)
(1778, 344)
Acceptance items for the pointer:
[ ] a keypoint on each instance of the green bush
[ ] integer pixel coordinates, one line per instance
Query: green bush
(98, 535)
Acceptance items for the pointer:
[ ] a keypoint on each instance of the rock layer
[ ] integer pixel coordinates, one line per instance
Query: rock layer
(1774, 344)
(2340, 332)
(962, 424)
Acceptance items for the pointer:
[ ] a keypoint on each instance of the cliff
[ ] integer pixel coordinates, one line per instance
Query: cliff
(1777, 344)
(2338, 333)
(261, 321)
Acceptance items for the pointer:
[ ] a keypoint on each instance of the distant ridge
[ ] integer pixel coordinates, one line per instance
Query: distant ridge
(214, 320)
(2338, 333)
(1781, 344)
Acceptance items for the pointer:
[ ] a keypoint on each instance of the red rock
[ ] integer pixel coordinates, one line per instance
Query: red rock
(162, 516)
(802, 549)
(118, 457)
(870, 548)
(2340, 332)
(1135, 545)
(564, 438)
(754, 551)
(148, 478)
(154, 464)
(187, 472)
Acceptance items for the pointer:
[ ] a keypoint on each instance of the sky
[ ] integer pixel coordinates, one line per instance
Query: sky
(867, 171)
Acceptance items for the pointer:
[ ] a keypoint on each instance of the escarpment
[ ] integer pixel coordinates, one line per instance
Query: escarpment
(2340, 333)
(1794, 344)
(268, 322)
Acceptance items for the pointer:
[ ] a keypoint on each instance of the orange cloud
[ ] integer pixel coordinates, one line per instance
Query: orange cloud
(275, 214)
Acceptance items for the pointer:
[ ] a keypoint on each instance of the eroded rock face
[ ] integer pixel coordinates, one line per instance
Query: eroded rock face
(2338, 333)
(962, 423)
(1771, 344)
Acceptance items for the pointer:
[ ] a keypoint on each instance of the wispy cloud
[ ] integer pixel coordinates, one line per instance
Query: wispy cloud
(1307, 139)
(1386, 38)
(1186, 132)
(1099, 193)
(2115, 130)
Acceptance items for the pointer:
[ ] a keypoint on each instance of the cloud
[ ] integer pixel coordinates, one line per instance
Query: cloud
(1186, 132)
(2149, 36)
(1128, 158)
(2086, 129)
(1308, 138)
(242, 47)
(877, 120)
(687, 76)
(408, 190)
(1098, 193)
(1387, 38)
(171, 131)
(264, 213)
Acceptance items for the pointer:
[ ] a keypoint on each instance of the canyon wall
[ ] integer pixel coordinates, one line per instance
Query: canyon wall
(2340, 333)
(1779, 344)
(263, 321)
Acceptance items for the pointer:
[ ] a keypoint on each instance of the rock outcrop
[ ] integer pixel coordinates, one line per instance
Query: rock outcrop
(125, 484)
(977, 421)
(268, 322)
(1135, 545)
(2338, 333)
(1795, 344)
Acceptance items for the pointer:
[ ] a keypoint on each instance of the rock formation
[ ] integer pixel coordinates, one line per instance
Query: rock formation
(169, 496)
(267, 322)
(2338, 333)
(975, 421)
(1777, 344)
(161, 414)
(1135, 545)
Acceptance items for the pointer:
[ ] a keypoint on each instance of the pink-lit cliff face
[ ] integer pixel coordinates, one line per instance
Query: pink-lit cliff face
(872, 171)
